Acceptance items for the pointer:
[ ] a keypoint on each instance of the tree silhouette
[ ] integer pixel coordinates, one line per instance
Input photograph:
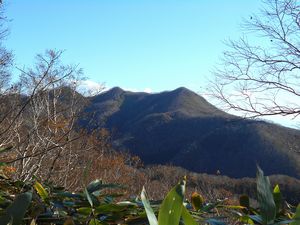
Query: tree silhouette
(260, 72)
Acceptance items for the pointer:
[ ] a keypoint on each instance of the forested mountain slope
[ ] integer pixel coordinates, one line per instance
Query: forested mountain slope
(180, 127)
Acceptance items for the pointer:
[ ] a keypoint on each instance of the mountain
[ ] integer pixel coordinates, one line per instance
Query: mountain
(180, 127)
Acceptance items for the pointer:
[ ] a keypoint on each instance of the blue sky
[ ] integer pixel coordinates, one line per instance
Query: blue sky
(135, 44)
(139, 45)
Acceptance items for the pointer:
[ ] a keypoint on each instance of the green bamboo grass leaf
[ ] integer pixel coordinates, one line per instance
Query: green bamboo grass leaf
(246, 220)
(97, 185)
(232, 206)
(277, 198)
(94, 222)
(88, 197)
(109, 208)
(171, 207)
(41, 191)
(210, 206)
(265, 198)
(85, 211)
(296, 217)
(149, 211)
(16, 211)
(127, 203)
(187, 217)
(69, 195)
(256, 218)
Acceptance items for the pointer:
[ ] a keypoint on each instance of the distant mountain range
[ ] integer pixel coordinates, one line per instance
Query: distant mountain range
(180, 127)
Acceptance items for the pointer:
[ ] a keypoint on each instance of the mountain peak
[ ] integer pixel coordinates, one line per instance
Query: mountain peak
(182, 128)
(189, 103)
(182, 89)
(116, 90)
(111, 94)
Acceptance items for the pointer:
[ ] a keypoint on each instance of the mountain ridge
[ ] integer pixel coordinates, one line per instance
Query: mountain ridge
(180, 127)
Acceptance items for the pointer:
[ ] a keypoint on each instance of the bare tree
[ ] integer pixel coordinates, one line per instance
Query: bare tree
(39, 136)
(41, 127)
(260, 71)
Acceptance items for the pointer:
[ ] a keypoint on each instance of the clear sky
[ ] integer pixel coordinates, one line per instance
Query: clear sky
(139, 45)
(135, 44)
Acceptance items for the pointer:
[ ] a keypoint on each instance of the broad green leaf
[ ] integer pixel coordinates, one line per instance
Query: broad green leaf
(256, 218)
(41, 191)
(85, 211)
(107, 199)
(107, 208)
(16, 211)
(88, 197)
(127, 203)
(296, 217)
(69, 195)
(277, 198)
(171, 207)
(62, 213)
(187, 217)
(98, 185)
(265, 198)
(94, 222)
(246, 220)
(150, 214)
(232, 206)
(68, 203)
(209, 206)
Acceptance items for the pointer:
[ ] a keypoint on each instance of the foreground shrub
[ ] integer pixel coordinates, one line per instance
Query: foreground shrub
(36, 203)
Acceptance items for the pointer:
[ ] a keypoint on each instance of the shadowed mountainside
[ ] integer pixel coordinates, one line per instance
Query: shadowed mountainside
(180, 127)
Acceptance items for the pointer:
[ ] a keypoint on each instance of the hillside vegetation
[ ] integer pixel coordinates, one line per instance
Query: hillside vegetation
(181, 128)
(99, 203)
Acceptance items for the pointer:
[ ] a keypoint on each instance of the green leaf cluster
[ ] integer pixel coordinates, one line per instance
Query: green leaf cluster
(37, 203)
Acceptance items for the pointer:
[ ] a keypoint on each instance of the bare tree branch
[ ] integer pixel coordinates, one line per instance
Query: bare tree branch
(260, 72)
